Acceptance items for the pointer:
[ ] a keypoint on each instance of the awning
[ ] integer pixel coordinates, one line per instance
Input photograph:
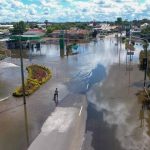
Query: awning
(26, 37)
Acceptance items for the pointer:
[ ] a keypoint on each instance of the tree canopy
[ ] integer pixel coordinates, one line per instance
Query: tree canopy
(119, 21)
(19, 28)
(66, 26)
(146, 30)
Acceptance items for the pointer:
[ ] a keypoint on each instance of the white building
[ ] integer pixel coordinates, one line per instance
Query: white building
(6, 26)
(143, 26)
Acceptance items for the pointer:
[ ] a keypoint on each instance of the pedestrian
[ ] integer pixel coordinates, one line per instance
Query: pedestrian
(56, 97)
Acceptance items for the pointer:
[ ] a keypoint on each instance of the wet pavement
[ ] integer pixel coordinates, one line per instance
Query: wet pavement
(64, 129)
(97, 63)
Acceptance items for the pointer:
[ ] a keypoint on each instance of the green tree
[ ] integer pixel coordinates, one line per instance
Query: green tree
(81, 25)
(50, 29)
(53, 27)
(119, 21)
(32, 25)
(67, 26)
(19, 28)
(146, 30)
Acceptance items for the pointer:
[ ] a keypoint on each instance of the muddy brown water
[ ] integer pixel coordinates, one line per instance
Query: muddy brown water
(84, 73)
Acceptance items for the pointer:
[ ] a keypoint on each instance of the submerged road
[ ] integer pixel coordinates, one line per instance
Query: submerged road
(65, 127)
(100, 73)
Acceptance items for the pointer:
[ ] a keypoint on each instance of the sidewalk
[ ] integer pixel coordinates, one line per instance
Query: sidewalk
(65, 128)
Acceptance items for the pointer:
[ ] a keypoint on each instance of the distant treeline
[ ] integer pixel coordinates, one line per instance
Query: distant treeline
(20, 27)
(134, 22)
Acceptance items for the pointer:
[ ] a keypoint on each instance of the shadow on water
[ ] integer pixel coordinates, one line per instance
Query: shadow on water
(102, 134)
(83, 82)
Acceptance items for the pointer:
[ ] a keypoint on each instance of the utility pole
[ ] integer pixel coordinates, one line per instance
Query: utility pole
(22, 71)
(66, 37)
(61, 43)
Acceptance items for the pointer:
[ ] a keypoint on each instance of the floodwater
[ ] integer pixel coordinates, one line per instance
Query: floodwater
(108, 126)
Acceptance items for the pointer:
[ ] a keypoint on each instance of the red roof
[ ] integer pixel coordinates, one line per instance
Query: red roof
(35, 30)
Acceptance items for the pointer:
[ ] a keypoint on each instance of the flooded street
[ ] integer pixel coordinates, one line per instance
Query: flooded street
(101, 71)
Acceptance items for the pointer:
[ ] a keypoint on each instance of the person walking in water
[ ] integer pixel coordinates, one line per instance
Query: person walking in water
(56, 97)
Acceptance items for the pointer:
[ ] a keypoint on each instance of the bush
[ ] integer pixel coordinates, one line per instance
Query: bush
(2, 56)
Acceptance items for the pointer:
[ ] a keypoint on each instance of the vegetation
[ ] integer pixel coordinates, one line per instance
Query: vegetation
(30, 87)
(119, 21)
(129, 46)
(32, 25)
(144, 101)
(142, 55)
(19, 28)
(2, 52)
(67, 26)
(37, 75)
(52, 28)
(2, 56)
(146, 30)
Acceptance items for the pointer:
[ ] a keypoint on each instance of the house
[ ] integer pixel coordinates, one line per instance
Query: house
(143, 26)
(92, 24)
(55, 34)
(135, 31)
(6, 26)
(35, 31)
(72, 34)
(77, 34)
(104, 28)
